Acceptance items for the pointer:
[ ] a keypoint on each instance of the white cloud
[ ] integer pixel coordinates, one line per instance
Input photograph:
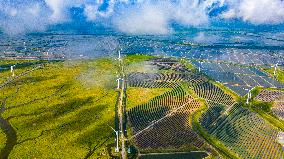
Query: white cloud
(135, 16)
(58, 9)
(91, 12)
(143, 19)
(17, 16)
(203, 38)
(155, 17)
(190, 13)
(256, 11)
(262, 11)
(229, 14)
(34, 10)
(19, 19)
(12, 12)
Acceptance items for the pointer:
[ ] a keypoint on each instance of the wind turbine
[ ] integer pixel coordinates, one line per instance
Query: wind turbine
(248, 96)
(12, 70)
(275, 69)
(25, 47)
(199, 67)
(119, 55)
(116, 133)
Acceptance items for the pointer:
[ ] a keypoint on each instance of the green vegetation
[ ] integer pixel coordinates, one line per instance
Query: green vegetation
(62, 110)
(2, 139)
(227, 90)
(137, 96)
(280, 73)
(187, 64)
(263, 109)
(136, 63)
(264, 106)
(8, 62)
(21, 67)
(189, 90)
(136, 58)
(255, 91)
(273, 120)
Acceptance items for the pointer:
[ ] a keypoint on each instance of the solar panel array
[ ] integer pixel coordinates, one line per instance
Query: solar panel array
(240, 79)
(245, 133)
(163, 122)
(273, 96)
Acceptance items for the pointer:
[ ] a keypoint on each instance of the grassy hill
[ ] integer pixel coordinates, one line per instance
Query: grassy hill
(58, 110)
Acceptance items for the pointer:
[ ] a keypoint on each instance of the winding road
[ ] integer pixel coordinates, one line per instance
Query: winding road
(120, 113)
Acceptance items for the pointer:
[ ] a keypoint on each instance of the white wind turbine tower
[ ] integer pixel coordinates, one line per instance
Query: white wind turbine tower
(118, 83)
(12, 70)
(116, 133)
(275, 69)
(25, 47)
(119, 55)
(200, 65)
(249, 95)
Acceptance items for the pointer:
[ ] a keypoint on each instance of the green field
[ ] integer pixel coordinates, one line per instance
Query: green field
(60, 110)
(137, 96)
(63, 109)
(279, 73)
(2, 139)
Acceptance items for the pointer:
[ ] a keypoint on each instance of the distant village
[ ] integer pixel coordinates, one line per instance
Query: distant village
(38, 56)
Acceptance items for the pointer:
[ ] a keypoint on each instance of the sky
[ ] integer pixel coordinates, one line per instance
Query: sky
(136, 16)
